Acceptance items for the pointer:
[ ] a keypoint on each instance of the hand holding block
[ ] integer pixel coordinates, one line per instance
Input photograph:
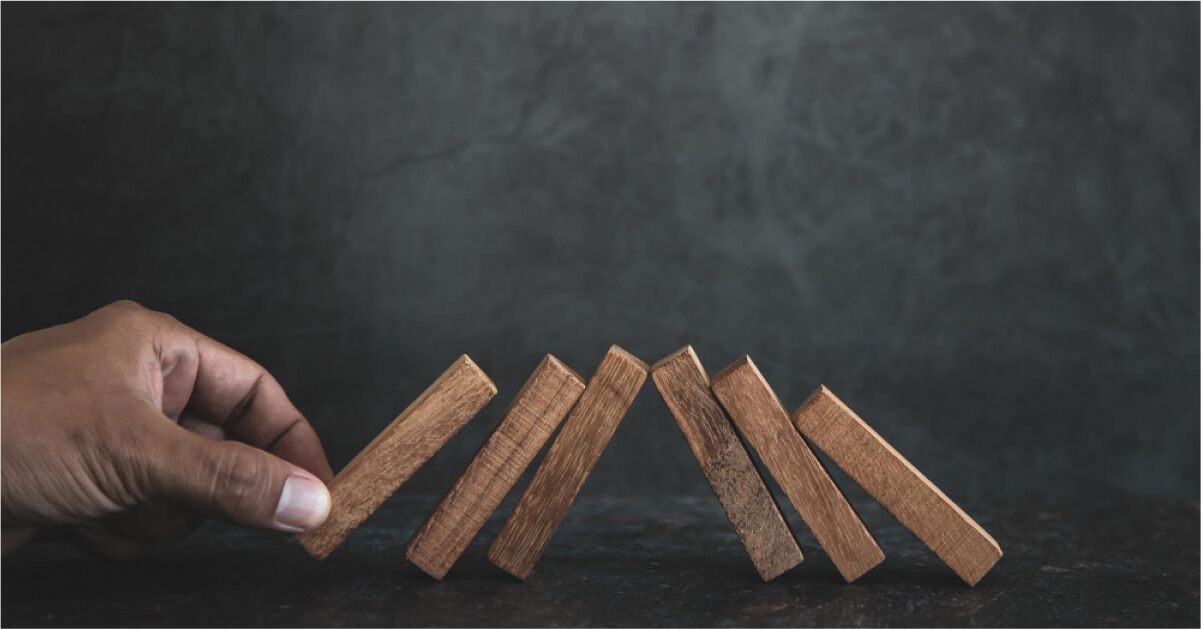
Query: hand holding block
(684, 385)
(568, 462)
(405, 445)
(756, 410)
(529, 421)
(898, 486)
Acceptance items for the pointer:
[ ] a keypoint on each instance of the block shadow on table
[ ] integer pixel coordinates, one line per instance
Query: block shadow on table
(633, 561)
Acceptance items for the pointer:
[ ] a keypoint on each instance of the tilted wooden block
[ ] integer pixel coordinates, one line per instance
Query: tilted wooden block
(568, 462)
(758, 413)
(529, 421)
(405, 445)
(898, 486)
(684, 385)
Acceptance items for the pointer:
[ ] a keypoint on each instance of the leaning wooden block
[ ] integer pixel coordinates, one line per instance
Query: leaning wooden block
(758, 413)
(866, 457)
(405, 445)
(529, 421)
(568, 462)
(684, 385)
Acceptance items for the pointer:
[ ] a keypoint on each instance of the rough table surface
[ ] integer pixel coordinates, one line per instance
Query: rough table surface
(635, 561)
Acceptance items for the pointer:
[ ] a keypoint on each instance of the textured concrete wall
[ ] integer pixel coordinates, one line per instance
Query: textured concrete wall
(977, 224)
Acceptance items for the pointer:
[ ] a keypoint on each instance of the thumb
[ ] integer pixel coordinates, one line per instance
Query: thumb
(236, 482)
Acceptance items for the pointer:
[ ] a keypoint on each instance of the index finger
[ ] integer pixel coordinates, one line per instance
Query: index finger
(232, 390)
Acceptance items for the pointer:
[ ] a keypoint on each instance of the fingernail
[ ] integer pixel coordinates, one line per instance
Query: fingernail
(303, 504)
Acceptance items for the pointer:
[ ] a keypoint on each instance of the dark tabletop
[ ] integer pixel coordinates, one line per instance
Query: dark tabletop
(635, 561)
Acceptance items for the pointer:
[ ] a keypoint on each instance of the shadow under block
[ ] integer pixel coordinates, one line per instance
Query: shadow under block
(529, 421)
(898, 486)
(684, 385)
(568, 462)
(405, 445)
(758, 413)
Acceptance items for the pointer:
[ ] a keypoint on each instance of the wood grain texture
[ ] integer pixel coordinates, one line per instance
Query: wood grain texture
(684, 385)
(526, 425)
(405, 445)
(898, 486)
(758, 413)
(568, 462)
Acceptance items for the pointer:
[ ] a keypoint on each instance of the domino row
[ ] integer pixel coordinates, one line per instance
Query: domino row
(703, 409)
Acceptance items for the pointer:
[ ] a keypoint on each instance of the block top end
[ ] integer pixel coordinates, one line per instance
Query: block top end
(553, 362)
(625, 356)
(821, 393)
(744, 362)
(465, 362)
(683, 352)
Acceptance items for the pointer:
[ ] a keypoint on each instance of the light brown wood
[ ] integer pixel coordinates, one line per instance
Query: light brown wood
(405, 445)
(568, 462)
(898, 486)
(684, 385)
(529, 421)
(758, 413)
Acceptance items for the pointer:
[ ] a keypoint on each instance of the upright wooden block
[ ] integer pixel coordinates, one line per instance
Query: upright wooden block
(529, 421)
(866, 457)
(568, 462)
(684, 385)
(405, 445)
(758, 413)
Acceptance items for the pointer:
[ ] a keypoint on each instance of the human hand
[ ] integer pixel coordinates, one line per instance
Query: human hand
(120, 424)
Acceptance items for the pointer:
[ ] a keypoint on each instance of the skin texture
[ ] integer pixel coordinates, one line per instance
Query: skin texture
(127, 427)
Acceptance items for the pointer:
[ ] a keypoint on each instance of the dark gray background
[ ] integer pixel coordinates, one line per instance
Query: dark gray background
(977, 224)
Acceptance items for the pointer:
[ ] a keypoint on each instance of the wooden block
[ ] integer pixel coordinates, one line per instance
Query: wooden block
(866, 457)
(568, 462)
(684, 385)
(405, 445)
(529, 421)
(758, 413)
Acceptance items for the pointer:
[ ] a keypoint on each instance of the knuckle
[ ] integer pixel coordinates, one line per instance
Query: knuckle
(124, 307)
(128, 309)
(127, 318)
(122, 314)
